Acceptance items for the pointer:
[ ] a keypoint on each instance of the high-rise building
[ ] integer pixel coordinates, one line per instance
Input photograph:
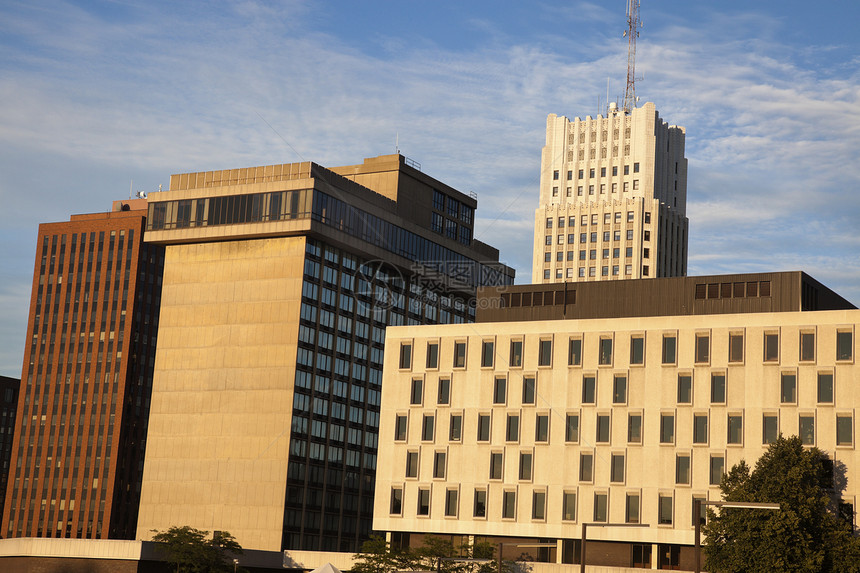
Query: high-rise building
(611, 403)
(77, 458)
(8, 408)
(279, 282)
(613, 199)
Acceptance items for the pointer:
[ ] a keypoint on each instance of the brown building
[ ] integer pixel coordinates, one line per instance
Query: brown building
(86, 379)
(8, 405)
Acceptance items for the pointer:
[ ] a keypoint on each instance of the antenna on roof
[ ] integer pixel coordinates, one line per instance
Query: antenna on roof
(397, 143)
(633, 25)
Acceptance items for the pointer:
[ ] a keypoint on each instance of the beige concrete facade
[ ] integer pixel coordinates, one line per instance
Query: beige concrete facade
(613, 196)
(627, 420)
(222, 396)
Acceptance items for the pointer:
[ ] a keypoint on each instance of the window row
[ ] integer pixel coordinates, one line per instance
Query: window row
(594, 219)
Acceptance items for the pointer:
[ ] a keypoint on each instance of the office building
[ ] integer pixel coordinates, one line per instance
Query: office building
(609, 403)
(8, 408)
(279, 282)
(77, 451)
(613, 198)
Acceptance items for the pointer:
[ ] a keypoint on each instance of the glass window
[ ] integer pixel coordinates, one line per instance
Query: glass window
(405, 355)
(736, 347)
(412, 464)
(417, 394)
(423, 502)
(807, 430)
(601, 501)
(500, 390)
(509, 505)
(788, 388)
(685, 388)
(396, 506)
(637, 350)
(589, 389)
(605, 355)
(718, 388)
(771, 347)
(525, 466)
(451, 496)
(736, 429)
(602, 428)
(528, 390)
(568, 506)
(631, 514)
(586, 462)
(432, 355)
(512, 430)
(455, 431)
(516, 353)
(542, 428)
(574, 353)
(483, 427)
(459, 355)
(703, 348)
(825, 388)
(496, 465)
(669, 349)
(718, 464)
(487, 348)
(667, 428)
(844, 430)
(539, 505)
(400, 428)
(616, 471)
(427, 426)
(844, 345)
(665, 510)
(619, 389)
(444, 395)
(682, 469)
(571, 428)
(769, 429)
(480, 507)
(807, 346)
(545, 353)
(634, 428)
(439, 465)
(700, 429)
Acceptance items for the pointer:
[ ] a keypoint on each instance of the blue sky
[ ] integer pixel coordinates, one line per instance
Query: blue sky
(97, 94)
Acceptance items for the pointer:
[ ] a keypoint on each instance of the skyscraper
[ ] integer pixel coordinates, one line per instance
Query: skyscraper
(8, 409)
(279, 282)
(77, 453)
(613, 198)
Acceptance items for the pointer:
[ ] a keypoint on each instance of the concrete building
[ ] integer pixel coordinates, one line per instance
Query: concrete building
(279, 282)
(77, 451)
(613, 199)
(579, 403)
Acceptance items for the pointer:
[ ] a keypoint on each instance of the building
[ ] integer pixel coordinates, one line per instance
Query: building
(579, 403)
(8, 407)
(613, 198)
(87, 372)
(279, 282)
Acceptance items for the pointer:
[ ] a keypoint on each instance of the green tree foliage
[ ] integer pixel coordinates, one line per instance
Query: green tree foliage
(189, 550)
(434, 554)
(803, 535)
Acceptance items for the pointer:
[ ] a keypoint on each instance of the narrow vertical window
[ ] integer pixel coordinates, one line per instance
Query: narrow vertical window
(483, 427)
(736, 347)
(444, 394)
(735, 427)
(487, 349)
(516, 353)
(769, 429)
(718, 388)
(440, 465)
(637, 350)
(528, 390)
(631, 512)
(586, 462)
(480, 507)
(700, 429)
(807, 430)
(542, 428)
(405, 355)
(589, 389)
(432, 355)
(685, 389)
(574, 354)
(670, 344)
(788, 388)
(664, 509)
(496, 465)
(545, 353)
(509, 505)
(539, 505)
(427, 427)
(667, 428)
(512, 430)
(844, 345)
(451, 499)
(400, 428)
(605, 352)
(807, 346)
(771, 347)
(396, 506)
(571, 428)
(603, 425)
(500, 386)
(844, 430)
(718, 464)
(825, 388)
(459, 355)
(619, 389)
(568, 506)
(703, 348)
(417, 394)
(601, 503)
(682, 469)
(455, 430)
(634, 428)
(525, 466)
(616, 469)
(423, 502)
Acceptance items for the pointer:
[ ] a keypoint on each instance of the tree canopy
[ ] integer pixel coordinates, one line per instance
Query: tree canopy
(435, 553)
(189, 550)
(805, 534)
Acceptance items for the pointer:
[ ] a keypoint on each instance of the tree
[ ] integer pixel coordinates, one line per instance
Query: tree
(189, 551)
(434, 554)
(805, 534)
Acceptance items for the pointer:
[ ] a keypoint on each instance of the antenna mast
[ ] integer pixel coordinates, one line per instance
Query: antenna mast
(633, 25)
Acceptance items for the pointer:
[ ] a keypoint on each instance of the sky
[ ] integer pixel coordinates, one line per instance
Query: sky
(101, 98)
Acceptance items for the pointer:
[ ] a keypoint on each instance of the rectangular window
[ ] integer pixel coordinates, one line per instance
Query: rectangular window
(634, 428)
(432, 355)
(512, 430)
(509, 505)
(601, 502)
(700, 429)
(539, 505)
(571, 428)
(586, 462)
(568, 506)
(412, 464)
(670, 344)
(718, 388)
(396, 506)
(487, 349)
(400, 428)
(528, 390)
(451, 496)
(807, 430)
(667, 428)
(459, 355)
(574, 352)
(516, 353)
(483, 427)
(844, 430)
(631, 512)
(825, 388)
(736, 347)
(439, 465)
(444, 395)
(736, 429)
(500, 386)
(637, 350)
(497, 465)
(619, 389)
(605, 354)
(788, 388)
(480, 508)
(545, 353)
(769, 429)
(602, 434)
(405, 355)
(416, 397)
(664, 509)
(718, 464)
(844, 345)
(542, 428)
(807, 346)
(525, 466)
(685, 388)
(616, 471)
(703, 348)
(455, 431)
(427, 425)
(423, 502)
(589, 389)
(771, 347)
(682, 469)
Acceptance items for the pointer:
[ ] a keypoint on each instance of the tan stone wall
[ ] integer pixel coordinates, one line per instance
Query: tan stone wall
(222, 394)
